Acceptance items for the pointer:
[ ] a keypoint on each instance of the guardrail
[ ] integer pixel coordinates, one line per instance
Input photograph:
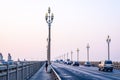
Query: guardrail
(22, 71)
(56, 76)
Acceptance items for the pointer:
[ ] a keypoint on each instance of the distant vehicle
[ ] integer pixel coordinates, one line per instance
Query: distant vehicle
(61, 61)
(10, 62)
(4, 63)
(105, 65)
(69, 62)
(56, 61)
(87, 64)
(68, 59)
(65, 62)
(1, 63)
(75, 63)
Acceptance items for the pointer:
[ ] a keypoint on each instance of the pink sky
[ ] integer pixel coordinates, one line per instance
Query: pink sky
(23, 29)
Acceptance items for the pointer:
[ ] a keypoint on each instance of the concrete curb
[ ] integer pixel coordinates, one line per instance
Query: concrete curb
(57, 77)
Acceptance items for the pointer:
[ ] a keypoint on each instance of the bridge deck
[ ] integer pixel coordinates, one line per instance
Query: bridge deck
(42, 75)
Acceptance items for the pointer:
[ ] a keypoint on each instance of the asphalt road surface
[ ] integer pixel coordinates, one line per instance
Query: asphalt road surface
(69, 72)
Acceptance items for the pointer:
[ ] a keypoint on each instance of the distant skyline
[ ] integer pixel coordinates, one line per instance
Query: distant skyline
(24, 31)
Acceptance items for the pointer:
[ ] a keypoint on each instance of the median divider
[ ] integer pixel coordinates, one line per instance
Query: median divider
(55, 74)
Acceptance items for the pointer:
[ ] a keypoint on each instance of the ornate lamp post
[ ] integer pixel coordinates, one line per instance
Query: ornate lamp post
(67, 56)
(78, 54)
(88, 52)
(1, 57)
(49, 19)
(71, 55)
(108, 41)
(64, 57)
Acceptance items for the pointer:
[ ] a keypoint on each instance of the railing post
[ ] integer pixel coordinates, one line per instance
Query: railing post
(33, 68)
(29, 70)
(16, 71)
(22, 71)
(7, 71)
(25, 71)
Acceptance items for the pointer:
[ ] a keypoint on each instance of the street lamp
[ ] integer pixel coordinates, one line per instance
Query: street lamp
(78, 54)
(64, 57)
(108, 41)
(71, 55)
(67, 56)
(88, 52)
(49, 19)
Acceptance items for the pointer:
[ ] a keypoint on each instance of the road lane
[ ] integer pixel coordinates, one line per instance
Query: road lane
(94, 70)
(68, 72)
(65, 74)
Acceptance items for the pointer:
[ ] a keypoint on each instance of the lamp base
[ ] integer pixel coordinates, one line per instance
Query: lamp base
(49, 69)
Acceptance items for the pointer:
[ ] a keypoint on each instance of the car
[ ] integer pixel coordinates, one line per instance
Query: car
(1, 63)
(75, 63)
(60, 61)
(65, 62)
(87, 64)
(56, 61)
(106, 65)
(10, 62)
(69, 62)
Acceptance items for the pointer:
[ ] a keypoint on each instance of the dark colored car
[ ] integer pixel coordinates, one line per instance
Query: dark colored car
(65, 62)
(69, 62)
(75, 63)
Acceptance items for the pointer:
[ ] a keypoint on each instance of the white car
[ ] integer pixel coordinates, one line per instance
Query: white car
(69, 62)
(87, 64)
(1, 63)
(105, 65)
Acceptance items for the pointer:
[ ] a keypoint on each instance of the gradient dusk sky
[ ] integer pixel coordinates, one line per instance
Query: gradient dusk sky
(24, 31)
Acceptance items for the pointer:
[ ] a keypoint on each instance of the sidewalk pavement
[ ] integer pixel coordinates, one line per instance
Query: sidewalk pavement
(42, 75)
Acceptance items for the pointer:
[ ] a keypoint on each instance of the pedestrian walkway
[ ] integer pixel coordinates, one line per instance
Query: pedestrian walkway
(42, 75)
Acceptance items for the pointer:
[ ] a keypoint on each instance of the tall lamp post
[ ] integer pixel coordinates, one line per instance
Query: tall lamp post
(67, 56)
(49, 19)
(64, 57)
(78, 54)
(108, 41)
(71, 55)
(88, 52)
